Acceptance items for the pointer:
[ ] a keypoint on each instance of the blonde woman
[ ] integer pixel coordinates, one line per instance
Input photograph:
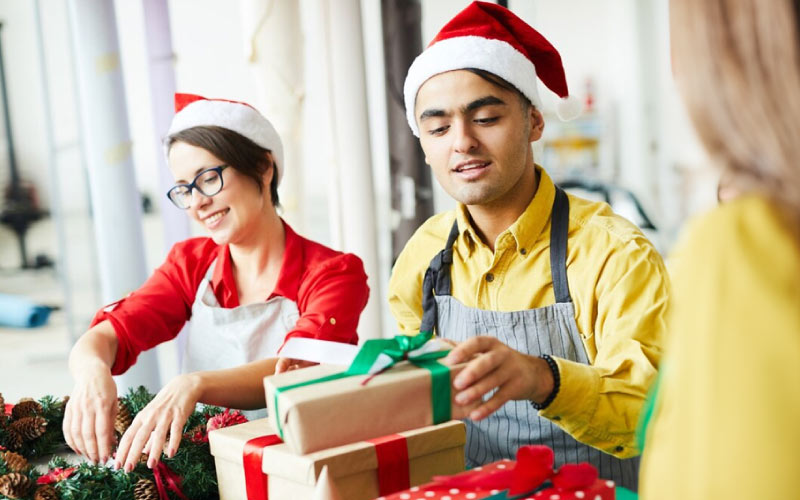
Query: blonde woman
(725, 422)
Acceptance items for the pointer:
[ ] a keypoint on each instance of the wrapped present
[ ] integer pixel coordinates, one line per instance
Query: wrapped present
(253, 464)
(531, 476)
(392, 385)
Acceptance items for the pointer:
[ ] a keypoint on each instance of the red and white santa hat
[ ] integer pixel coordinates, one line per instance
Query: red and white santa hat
(197, 111)
(489, 37)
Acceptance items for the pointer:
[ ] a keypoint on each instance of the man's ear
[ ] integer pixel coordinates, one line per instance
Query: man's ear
(536, 121)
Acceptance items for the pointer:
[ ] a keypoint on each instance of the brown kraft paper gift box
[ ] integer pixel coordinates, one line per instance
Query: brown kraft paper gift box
(396, 400)
(433, 450)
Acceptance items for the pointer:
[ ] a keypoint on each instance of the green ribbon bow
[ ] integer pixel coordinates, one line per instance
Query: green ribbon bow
(378, 355)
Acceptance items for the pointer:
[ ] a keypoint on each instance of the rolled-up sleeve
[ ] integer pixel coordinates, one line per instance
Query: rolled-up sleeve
(330, 300)
(157, 311)
(599, 403)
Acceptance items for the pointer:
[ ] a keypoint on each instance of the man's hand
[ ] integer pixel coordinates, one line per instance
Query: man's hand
(494, 365)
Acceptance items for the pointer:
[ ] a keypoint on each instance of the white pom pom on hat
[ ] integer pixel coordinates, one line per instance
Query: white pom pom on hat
(490, 37)
(196, 111)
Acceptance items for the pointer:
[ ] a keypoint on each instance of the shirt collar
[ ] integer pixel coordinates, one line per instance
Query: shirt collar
(288, 284)
(528, 226)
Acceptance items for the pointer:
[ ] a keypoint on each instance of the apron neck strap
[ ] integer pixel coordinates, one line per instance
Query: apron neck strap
(559, 227)
(210, 272)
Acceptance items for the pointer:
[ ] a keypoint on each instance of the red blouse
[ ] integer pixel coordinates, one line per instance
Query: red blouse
(329, 288)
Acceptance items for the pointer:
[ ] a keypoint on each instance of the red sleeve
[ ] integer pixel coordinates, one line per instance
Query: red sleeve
(330, 300)
(157, 311)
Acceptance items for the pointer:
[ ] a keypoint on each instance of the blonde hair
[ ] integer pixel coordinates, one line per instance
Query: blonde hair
(737, 64)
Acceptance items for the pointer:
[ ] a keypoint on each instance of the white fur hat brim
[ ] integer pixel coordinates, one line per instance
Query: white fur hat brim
(235, 116)
(495, 56)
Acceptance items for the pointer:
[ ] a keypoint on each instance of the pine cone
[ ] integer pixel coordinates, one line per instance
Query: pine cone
(15, 485)
(29, 428)
(13, 439)
(145, 489)
(28, 408)
(124, 418)
(14, 461)
(45, 492)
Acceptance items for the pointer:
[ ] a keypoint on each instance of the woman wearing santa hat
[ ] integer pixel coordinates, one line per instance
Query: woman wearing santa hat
(247, 288)
(556, 302)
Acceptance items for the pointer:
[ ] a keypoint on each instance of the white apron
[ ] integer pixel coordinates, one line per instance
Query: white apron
(222, 338)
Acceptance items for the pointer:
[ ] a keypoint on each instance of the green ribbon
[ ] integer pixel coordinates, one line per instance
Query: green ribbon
(397, 349)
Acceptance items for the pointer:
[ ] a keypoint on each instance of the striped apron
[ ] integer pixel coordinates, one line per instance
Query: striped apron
(546, 330)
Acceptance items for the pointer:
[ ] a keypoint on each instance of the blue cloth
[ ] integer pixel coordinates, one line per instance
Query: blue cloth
(19, 312)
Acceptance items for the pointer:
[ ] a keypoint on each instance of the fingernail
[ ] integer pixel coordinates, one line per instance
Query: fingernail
(171, 453)
(128, 467)
(461, 398)
(459, 382)
(475, 415)
(150, 463)
(117, 465)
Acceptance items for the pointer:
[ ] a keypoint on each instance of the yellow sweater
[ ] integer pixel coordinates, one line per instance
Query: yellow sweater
(726, 422)
(618, 284)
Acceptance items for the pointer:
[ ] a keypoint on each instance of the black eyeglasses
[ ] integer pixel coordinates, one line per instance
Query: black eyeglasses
(208, 183)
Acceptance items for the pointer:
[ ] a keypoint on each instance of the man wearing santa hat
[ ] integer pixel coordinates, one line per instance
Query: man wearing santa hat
(556, 302)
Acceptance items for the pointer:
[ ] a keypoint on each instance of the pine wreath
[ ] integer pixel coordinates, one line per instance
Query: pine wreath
(42, 437)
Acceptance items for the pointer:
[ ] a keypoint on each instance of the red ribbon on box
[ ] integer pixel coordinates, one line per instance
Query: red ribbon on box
(252, 458)
(8, 408)
(392, 454)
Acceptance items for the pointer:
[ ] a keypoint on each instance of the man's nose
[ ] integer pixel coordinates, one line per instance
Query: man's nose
(465, 140)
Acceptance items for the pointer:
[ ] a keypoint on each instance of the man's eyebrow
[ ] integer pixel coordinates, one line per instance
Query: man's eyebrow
(431, 113)
(489, 100)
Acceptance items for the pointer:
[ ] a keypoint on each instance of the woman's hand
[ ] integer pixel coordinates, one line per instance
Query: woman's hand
(163, 418)
(89, 416)
(287, 365)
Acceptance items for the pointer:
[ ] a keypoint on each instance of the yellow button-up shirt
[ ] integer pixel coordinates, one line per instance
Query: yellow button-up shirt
(725, 423)
(618, 284)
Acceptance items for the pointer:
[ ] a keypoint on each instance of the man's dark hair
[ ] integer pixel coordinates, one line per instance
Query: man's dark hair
(233, 149)
(503, 84)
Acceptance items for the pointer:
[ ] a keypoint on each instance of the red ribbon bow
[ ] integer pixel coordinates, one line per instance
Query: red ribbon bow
(534, 466)
(56, 475)
(172, 480)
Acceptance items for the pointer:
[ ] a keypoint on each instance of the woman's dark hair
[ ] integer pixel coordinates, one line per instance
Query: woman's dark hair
(233, 149)
(502, 83)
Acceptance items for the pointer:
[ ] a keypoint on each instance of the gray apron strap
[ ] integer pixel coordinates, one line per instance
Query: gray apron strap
(437, 281)
(559, 227)
(437, 276)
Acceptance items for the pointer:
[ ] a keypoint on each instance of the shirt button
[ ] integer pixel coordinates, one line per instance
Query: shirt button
(523, 251)
(618, 449)
(490, 277)
(556, 418)
(333, 321)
